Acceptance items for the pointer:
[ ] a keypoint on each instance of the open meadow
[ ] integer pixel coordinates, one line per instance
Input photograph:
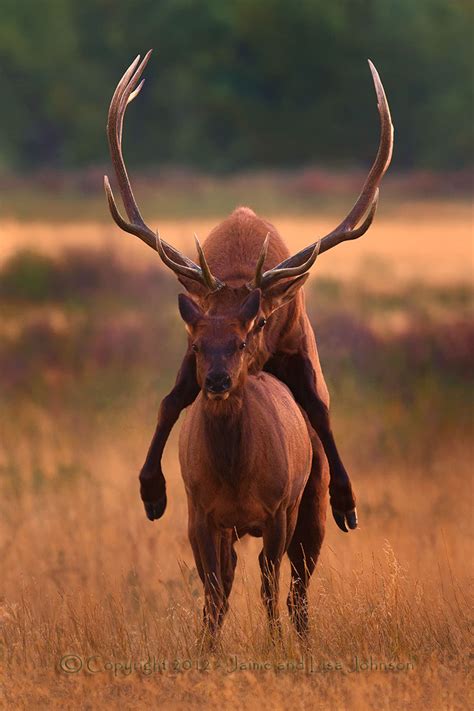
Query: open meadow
(99, 607)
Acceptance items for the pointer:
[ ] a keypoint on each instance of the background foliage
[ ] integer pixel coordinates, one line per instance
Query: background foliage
(236, 84)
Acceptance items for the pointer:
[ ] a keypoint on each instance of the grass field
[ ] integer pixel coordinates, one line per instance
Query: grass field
(89, 343)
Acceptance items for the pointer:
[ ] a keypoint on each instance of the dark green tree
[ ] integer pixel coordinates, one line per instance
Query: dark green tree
(236, 84)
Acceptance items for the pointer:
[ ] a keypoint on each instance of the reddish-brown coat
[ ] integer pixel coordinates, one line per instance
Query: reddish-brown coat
(257, 490)
(288, 348)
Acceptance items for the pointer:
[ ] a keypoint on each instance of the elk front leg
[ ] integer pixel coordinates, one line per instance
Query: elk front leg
(206, 541)
(297, 372)
(228, 559)
(274, 542)
(152, 481)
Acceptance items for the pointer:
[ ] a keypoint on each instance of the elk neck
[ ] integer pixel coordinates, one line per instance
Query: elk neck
(226, 436)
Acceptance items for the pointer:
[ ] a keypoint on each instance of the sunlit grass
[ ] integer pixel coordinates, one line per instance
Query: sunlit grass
(86, 574)
(85, 358)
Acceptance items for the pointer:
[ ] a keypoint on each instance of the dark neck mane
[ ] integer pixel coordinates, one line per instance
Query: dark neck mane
(224, 431)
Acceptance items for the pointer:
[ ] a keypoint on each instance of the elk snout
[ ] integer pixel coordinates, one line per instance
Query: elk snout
(217, 383)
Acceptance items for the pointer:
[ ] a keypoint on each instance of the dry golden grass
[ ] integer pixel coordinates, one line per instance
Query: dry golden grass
(85, 574)
(427, 240)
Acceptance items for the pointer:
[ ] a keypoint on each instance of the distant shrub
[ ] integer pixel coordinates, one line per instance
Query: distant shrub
(101, 315)
(29, 276)
(76, 275)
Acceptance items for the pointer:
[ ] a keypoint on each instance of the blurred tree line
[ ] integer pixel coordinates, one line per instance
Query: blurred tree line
(236, 84)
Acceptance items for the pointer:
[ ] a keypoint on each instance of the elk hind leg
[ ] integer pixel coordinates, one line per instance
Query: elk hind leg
(307, 539)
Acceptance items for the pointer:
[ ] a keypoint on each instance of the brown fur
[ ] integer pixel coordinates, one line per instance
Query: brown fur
(288, 348)
(285, 347)
(269, 462)
(232, 249)
(225, 436)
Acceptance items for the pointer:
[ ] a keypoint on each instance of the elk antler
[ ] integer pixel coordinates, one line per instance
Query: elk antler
(128, 89)
(367, 201)
(201, 274)
(263, 279)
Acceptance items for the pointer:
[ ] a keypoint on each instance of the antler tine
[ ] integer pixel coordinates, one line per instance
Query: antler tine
(380, 164)
(334, 238)
(126, 91)
(115, 101)
(211, 281)
(327, 243)
(194, 272)
(129, 92)
(368, 198)
(118, 105)
(280, 272)
(260, 262)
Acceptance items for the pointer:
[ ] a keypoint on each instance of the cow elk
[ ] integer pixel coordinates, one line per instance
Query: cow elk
(246, 452)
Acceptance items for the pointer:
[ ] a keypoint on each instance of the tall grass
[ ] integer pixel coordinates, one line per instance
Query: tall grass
(85, 358)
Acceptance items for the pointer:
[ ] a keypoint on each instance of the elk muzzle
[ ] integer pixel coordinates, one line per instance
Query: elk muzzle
(217, 385)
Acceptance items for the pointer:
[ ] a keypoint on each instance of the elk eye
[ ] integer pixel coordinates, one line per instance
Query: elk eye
(261, 323)
(195, 348)
(242, 346)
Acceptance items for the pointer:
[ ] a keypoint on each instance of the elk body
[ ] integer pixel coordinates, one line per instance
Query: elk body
(246, 453)
(242, 254)
(255, 489)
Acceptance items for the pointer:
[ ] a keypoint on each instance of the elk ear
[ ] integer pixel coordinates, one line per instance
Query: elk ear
(189, 310)
(282, 293)
(250, 308)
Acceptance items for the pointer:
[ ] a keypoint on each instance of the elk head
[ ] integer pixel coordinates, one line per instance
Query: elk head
(226, 323)
(225, 331)
(222, 344)
(234, 316)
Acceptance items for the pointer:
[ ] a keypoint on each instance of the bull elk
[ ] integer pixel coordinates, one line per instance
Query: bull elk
(243, 253)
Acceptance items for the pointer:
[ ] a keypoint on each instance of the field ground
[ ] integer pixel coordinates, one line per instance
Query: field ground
(89, 342)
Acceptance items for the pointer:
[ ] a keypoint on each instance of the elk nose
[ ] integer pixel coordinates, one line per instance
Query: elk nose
(217, 382)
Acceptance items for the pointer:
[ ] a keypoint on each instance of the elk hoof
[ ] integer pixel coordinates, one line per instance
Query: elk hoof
(155, 509)
(351, 517)
(345, 519)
